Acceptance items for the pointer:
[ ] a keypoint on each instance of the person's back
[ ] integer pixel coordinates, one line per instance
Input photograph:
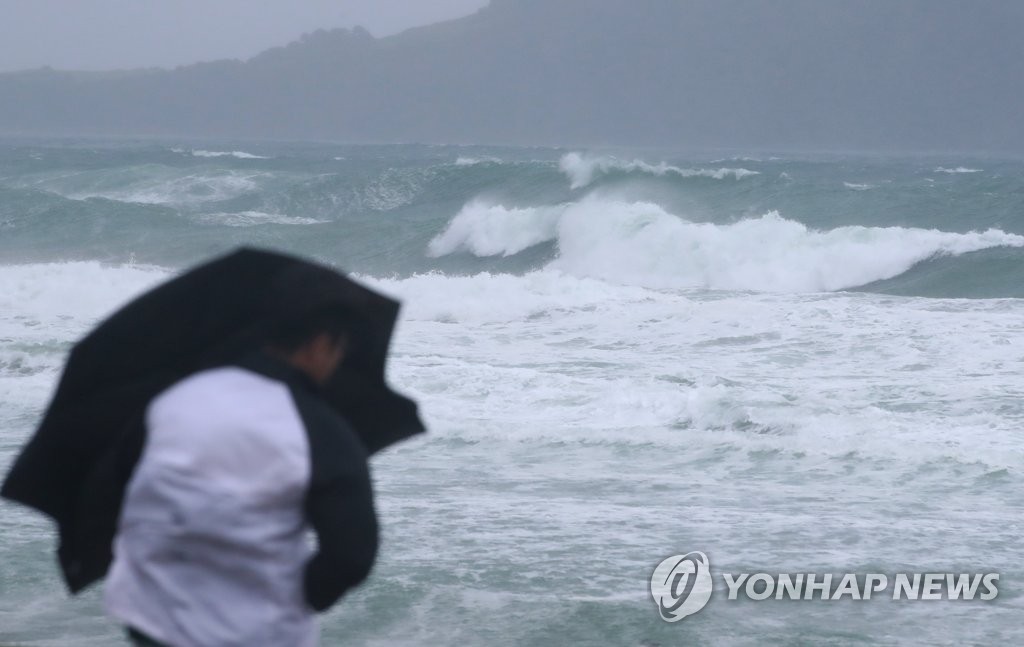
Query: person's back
(211, 549)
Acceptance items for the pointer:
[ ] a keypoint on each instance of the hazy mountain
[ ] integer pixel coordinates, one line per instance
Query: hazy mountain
(821, 74)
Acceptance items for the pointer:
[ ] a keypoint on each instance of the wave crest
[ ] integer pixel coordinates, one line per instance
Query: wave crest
(640, 243)
(583, 170)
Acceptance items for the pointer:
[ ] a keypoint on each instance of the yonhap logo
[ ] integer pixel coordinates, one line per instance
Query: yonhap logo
(681, 585)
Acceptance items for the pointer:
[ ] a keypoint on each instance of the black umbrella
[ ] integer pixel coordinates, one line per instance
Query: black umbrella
(76, 466)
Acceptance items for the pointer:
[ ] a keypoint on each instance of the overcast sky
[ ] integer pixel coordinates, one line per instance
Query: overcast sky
(116, 34)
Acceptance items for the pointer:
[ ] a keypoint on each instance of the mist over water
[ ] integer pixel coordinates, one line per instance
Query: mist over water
(787, 362)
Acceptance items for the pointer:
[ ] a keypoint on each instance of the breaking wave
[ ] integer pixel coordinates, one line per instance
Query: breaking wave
(642, 221)
(583, 170)
(492, 230)
(640, 243)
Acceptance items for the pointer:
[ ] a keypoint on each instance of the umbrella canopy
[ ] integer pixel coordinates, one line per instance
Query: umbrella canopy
(77, 465)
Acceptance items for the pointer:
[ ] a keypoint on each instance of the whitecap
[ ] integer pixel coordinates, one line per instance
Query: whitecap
(584, 170)
(251, 218)
(236, 154)
(475, 161)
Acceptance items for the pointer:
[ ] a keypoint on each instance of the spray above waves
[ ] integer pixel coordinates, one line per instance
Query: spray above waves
(584, 170)
(492, 230)
(640, 243)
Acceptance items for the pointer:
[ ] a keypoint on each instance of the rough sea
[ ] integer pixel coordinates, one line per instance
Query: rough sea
(793, 363)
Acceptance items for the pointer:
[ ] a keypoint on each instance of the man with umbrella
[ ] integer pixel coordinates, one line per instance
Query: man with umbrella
(199, 432)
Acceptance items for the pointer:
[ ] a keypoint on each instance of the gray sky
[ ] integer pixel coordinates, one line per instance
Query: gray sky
(115, 34)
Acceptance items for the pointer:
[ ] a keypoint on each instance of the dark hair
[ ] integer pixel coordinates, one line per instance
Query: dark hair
(293, 334)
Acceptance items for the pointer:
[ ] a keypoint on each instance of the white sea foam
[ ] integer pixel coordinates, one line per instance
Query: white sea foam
(856, 186)
(53, 299)
(583, 170)
(957, 170)
(592, 359)
(738, 158)
(179, 190)
(43, 307)
(570, 416)
(148, 184)
(641, 243)
(236, 154)
(251, 218)
(599, 361)
(476, 161)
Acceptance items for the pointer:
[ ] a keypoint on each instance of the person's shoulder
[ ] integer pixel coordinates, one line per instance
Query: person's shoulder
(221, 377)
(217, 388)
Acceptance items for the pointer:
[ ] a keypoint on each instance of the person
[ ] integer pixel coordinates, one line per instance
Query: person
(240, 461)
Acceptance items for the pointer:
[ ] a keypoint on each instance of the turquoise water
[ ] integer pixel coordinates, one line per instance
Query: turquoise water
(791, 363)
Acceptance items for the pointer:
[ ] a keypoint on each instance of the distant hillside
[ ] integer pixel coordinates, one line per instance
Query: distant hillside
(819, 74)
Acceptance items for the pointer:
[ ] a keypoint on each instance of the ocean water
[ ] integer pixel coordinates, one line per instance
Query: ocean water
(791, 363)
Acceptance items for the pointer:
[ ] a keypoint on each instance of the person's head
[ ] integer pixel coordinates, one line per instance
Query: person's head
(315, 344)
